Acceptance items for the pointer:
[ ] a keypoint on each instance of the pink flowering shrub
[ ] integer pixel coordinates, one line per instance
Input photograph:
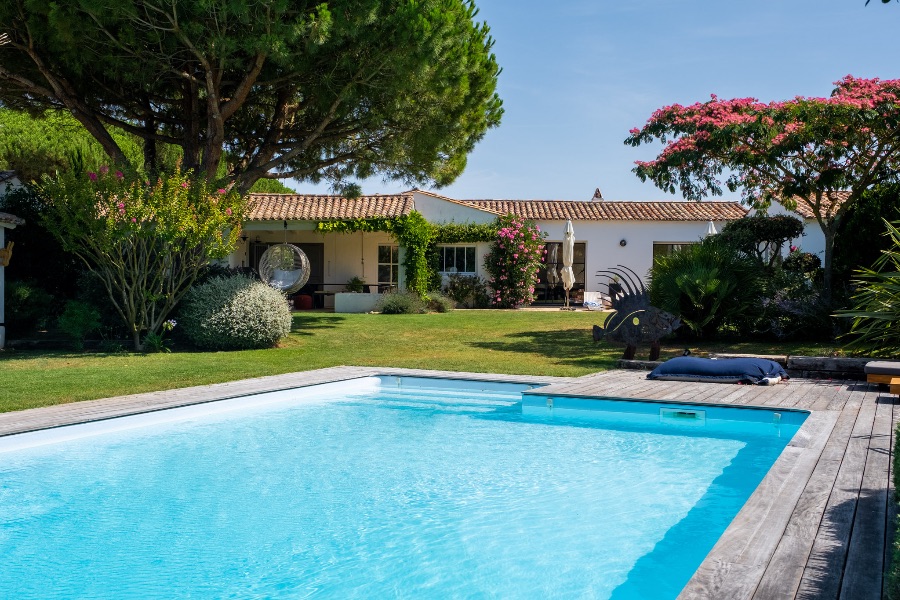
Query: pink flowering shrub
(146, 240)
(514, 261)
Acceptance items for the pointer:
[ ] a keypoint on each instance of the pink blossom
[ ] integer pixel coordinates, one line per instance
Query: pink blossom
(228, 211)
(104, 170)
(220, 191)
(92, 176)
(184, 184)
(133, 220)
(119, 174)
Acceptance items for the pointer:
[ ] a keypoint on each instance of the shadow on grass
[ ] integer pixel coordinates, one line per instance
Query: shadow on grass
(306, 324)
(573, 347)
(13, 354)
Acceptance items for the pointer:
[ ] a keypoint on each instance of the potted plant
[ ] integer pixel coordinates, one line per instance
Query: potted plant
(355, 285)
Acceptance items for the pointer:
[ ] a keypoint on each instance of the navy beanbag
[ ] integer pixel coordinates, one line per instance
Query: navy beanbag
(722, 370)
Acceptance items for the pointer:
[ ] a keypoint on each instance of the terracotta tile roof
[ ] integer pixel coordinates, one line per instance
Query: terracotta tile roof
(557, 210)
(298, 207)
(12, 219)
(806, 212)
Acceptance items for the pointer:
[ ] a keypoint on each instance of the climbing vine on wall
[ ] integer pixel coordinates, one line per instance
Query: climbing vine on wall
(419, 238)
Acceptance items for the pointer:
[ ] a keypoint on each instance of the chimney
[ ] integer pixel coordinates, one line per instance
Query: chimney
(597, 195)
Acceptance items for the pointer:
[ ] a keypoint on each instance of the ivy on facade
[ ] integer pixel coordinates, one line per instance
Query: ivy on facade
(419, 239)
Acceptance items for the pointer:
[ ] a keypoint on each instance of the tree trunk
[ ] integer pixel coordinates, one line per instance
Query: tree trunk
(136, 338)
(830, 231)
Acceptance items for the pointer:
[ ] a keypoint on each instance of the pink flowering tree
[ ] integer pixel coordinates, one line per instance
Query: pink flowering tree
(815, 153)
(514, 261)
(147, 241)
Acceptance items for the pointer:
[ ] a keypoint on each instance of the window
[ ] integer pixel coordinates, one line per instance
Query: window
(388, 265)
(458, 259)
(666, 248)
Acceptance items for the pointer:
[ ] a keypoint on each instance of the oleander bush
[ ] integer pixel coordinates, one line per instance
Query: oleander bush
(400, 303)
(232, 313)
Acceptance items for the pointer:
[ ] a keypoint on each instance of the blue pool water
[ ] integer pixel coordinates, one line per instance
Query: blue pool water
(381, 488)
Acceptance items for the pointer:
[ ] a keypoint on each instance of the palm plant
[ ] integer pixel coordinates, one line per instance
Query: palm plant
(707, 285)
(876, 311)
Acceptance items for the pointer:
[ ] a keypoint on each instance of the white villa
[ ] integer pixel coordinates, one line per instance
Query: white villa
(608, 233)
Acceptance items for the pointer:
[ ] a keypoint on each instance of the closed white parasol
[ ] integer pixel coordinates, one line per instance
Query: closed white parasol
(568, 252)
(711, 229)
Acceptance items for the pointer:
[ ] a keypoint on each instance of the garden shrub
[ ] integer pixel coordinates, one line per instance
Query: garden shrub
(514, 261)
(802, 262)
(78, 320)
(794, 307)
(708, 285)
(230, 313)
(400, 303)
(876, 303)
(468, 291)
(438, 302)
(28, 307)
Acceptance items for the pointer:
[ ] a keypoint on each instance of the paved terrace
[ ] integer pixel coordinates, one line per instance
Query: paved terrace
(818, 527)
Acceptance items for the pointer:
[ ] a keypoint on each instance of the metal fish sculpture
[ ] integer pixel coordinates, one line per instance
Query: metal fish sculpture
(636, 322)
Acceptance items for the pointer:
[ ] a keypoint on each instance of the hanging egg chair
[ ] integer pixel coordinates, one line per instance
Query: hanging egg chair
(285, 267)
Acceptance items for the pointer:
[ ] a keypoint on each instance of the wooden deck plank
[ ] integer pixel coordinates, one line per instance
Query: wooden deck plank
(891, 513)
(864, 568)
(785, 569)
(824, 570)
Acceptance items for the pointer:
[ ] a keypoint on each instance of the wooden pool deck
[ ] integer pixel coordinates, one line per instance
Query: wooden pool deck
(819, 526)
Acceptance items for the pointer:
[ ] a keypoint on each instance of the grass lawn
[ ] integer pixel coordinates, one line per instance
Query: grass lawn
(489, 341)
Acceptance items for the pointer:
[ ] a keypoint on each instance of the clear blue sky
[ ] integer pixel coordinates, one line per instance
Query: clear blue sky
(578, 74)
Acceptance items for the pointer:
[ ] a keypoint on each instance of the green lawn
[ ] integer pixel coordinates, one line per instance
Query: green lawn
(516, 342)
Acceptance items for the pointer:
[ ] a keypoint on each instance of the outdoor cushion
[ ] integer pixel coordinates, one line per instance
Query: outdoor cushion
(723, 370)
(883, 367)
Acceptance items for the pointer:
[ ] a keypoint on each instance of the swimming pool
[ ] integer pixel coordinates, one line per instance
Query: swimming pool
(381, 487)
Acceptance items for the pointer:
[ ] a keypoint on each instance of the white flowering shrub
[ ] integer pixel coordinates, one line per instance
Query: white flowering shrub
(231, 313)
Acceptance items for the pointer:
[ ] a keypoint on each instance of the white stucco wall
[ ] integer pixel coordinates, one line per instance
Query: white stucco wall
(603, 249)
(438, 210)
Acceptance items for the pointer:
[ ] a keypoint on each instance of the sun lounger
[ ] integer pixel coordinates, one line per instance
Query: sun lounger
(886, 372)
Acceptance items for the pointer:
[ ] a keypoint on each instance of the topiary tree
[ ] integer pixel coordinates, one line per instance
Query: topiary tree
(234, 313)
(514, 261)
(147, 241)
(762, 237)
